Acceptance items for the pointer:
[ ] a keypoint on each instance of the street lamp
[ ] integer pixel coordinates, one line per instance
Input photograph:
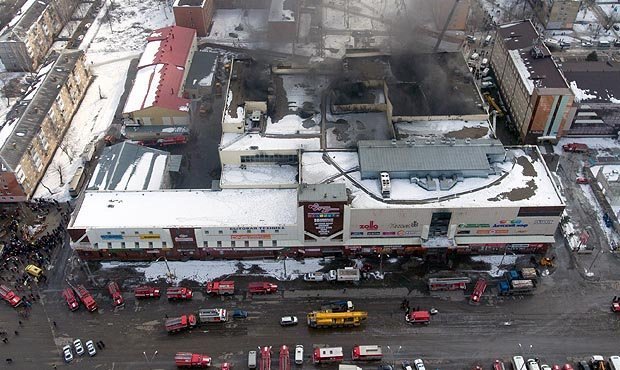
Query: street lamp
(394, 355)
(148, 361)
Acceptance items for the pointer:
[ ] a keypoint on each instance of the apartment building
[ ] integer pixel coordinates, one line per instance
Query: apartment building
(25, 41)
(30, 147)
(539, 99)
(556, 14)
(196, 14)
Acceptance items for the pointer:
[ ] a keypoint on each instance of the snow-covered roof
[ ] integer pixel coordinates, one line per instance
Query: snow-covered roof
(257, 176)
(186, 208)
(282, 10)
(593, 82)
(238, 142)
(526, 181)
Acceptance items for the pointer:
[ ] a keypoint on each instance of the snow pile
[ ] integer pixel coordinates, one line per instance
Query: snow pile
(581, 95)
(258, 175)
(314, 168)
(292, 124)
(202, 271)
(234, 26)
(498, 263)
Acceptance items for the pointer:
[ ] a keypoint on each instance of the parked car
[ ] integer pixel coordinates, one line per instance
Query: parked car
(586, 44)
(314, 276)
(68, 355)
(582, 180)
(498, 365)
(299, 354)
(288, 320)
(406, 365)
(239, 314)
(532, 364)
(90, 348)
(79, 349)
(567, 367)
(419, 364)
(545, 367)
(385, 367)
(583, 365)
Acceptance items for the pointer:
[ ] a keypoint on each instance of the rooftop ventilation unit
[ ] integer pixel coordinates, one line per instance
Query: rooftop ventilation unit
(536, 52)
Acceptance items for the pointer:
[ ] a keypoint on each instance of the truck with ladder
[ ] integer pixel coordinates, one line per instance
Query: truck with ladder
(479, 288)
(452, 283)
(220, 287)
(179, 293)
(265, 358)
(84, 295)
(181, 323)
(212, 315)
(70, 299)
(319, 319)
(188, 359)
(115, 292)
(285, 358)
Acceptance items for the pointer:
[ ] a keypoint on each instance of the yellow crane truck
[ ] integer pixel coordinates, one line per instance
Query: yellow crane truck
(323, 319)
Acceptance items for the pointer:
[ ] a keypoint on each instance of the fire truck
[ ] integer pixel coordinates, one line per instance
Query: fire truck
(87, 300)
(366, 353)
(456, 283)
(615, 304)
(146, 292)
(69, 297)
(165, 141)
(183, 322)
(179, 293)
(265, 358)
(328, 354)
(220, 288)
(481, 286)
(209, 315)
(115, 292)
(262, 287)
(188, 359)
(8, 295)
(285, 358)
(418, 317)
(321, 319)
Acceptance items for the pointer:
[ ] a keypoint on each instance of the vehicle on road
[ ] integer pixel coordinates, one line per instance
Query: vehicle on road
(406, 365)
(90, 348)
(288, 320)
(69, 297)
(345, 274)
(285, 358)
(252, 360)
(226, 366)
(9, 296)
(338, 306)
(575, 148)
(498, 365)
(433, 311)
(545, 367)
(265, 358)
(516, 287)
(582, 180)
(34, 270)
(239, 314)
(419, 364)
(79, 349)
(299, 354)
(212, 315)
(567, 367)
(115, 292)
(418, 317)
(179, 293)
(220, 287)
(67, 354)
(614, 362)
(367, 353)
(183, 322)
(315, 276)
(532, 364)
(88, 300)
(327, 355)
(385, 367)
(518, 362)
(615, 305)
(164, 141)
(583, 365)
(188, 359)
(318, 319)
(146, 292)
(262, 287)
(479, 288)
(436, 284)
(598, 362)
(586, 44)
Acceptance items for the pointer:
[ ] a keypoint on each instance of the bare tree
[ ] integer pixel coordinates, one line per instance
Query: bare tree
(58, 168)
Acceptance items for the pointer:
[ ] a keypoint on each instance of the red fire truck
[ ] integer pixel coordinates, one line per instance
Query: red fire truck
(262, 287)
(479, 289)
(146, 292)
(418, 317)
(285, 358)
(69, 297)
(328, 354)
(456, 283)
(366, 353)
(8, 295)
(265, 358)
(115, 292)
(165, 141)
(177, 324)
(220, 288)
(188, 359)
(87, 300)
(179, 293)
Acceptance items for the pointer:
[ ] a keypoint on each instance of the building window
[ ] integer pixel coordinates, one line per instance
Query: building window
(136, 244)
(247, 243)
(219, 243)
(150, 244)
(76, 75)
(274, 243)
(164, 244)
(270, 158)
(122, 233)
(205, 244)
(150, 232)
(260, 243)
(43, 140)
(109, 245)
(276, 231)
(249, 231)
(136, 232)
(233, 243)
(96, 245)
(206, 232)
(122, 244)
(61, 103)
(46, 29)
(220, 232)
(262, 231)
(234, 231)
(36, 160)
(21, 176)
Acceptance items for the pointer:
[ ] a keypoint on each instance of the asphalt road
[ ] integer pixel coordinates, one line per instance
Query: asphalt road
(567, 319)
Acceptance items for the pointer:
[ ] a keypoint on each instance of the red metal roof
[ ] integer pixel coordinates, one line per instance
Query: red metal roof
(175, 44)
(170, 83)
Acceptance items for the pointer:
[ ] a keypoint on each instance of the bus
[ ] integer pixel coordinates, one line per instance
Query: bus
(76, 182)
(366, 353)
(326, 355)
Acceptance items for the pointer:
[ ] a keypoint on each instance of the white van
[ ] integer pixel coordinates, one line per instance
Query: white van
(614, 362)
(487, 40)
(252, 360)
(532, 364)
(299, 354)
(518, 363)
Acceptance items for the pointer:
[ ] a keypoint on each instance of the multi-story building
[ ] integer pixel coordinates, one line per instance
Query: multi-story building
(29, 148)
(539, 99)
(282, 20)
(196, 14)
(556, 14)
(156, 97)
(24, 43)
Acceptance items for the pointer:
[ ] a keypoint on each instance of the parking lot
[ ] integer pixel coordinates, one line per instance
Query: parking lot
(566, 320)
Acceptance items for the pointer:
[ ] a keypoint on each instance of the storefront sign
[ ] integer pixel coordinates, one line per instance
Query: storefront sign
(250, 236)
(149, 236)
(323, 219)
(183, 238)
(111, 237)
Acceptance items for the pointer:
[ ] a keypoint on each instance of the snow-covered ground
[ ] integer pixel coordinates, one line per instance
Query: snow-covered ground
(499, 264)
(202, 271)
